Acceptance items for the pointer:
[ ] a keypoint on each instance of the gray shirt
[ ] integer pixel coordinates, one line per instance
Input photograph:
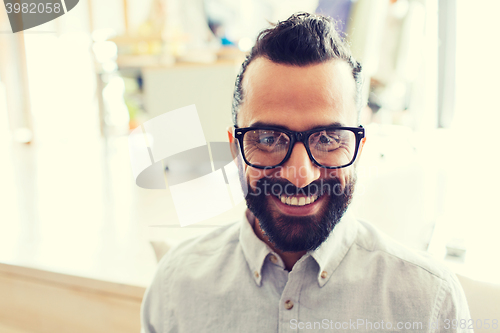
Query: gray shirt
(358, 280)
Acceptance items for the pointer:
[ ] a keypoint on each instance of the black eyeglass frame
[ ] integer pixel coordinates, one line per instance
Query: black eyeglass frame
(303, 137)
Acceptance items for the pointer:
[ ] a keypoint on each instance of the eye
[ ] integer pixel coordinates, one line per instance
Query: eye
(328, 139)
(267, 140)
(325, 140)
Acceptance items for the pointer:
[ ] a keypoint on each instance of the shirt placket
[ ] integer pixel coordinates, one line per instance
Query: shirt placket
(290, 299)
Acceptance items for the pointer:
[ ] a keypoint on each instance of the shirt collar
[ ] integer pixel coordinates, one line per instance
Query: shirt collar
(254, 249)
(328, 256)
(331, 253)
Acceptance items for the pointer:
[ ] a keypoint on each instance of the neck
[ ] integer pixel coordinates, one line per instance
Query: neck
(289, 258)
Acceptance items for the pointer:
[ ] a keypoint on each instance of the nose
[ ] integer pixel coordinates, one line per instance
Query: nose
(299, 169)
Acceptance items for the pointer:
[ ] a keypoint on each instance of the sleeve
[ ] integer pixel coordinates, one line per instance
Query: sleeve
(153, 307)
(454, 314)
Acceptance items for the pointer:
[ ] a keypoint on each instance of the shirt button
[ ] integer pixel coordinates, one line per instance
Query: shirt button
(288, 305)
(256, 274)
(273, 258)
(324, 274)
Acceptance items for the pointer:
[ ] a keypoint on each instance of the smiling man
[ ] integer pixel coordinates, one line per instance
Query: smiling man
(298, 261)
(302, 192)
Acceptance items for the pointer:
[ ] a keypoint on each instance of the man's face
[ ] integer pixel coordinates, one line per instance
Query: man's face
(298, 99)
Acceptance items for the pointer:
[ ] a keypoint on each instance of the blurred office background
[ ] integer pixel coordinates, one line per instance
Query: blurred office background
(76, 232)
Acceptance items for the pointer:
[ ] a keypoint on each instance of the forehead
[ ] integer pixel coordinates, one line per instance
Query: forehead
(298, 98)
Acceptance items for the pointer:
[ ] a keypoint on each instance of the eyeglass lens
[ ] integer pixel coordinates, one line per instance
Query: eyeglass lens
(332, 148)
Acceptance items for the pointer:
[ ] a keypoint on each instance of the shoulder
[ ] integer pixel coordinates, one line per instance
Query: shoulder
(409, 280)
(418, 269)
(373, 241)
(185, 272)
(411, 272)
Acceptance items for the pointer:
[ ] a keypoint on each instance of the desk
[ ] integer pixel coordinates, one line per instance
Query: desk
(42, 301)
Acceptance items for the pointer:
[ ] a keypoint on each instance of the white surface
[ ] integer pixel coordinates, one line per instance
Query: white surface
(209, 87)
(396, 189)
(138, 149)
(201, 198)
(174, 131)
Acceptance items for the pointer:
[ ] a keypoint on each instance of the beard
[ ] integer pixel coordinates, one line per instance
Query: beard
(299, 233)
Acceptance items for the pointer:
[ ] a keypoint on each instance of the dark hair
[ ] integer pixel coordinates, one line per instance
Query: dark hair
(303, 39)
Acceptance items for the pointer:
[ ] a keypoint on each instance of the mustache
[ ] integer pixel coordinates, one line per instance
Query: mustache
(280, 186)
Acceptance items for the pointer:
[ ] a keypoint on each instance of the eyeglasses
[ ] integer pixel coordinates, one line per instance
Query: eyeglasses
(269, 147)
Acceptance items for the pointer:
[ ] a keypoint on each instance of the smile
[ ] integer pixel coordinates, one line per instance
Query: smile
(297, 201)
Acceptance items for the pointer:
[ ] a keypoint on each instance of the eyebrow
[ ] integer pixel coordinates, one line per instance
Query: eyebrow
(263, 124)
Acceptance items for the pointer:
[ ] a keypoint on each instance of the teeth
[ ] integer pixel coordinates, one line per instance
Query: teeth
(295, 201)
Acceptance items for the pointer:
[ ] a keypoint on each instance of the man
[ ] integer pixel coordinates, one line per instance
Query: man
(296, 261)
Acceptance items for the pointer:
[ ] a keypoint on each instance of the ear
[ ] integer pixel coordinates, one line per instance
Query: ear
(361, 145)
(233, 143)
